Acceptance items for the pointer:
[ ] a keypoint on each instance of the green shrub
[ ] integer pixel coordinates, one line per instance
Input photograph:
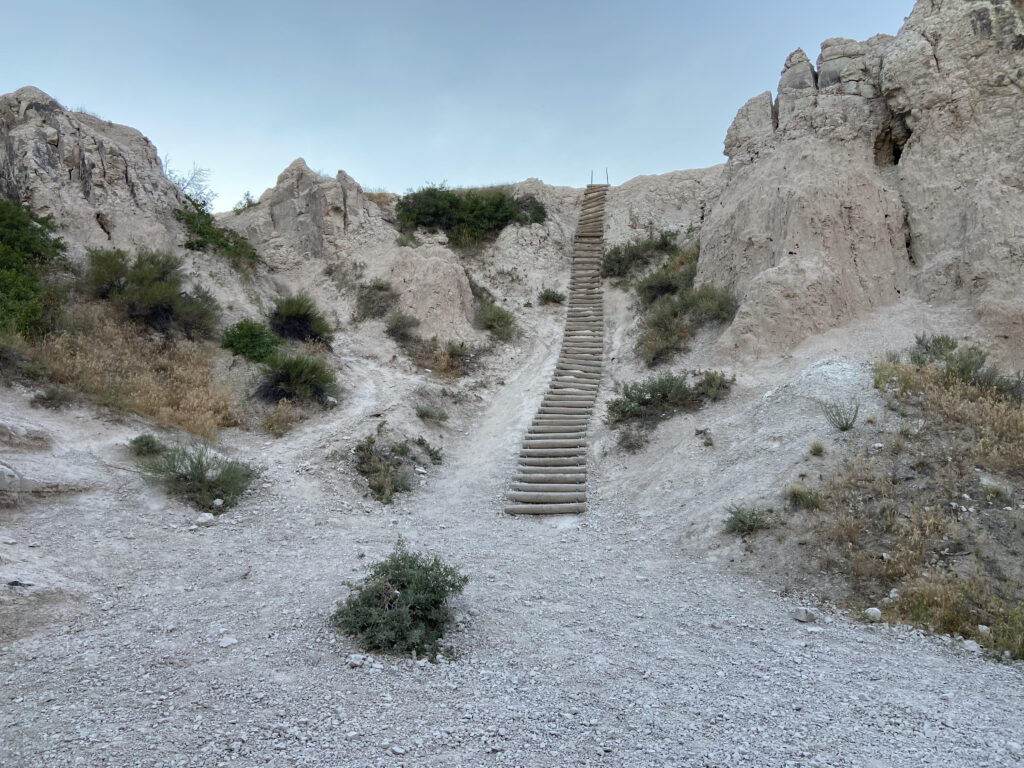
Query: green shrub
(804, 498)
(662, 331)
(400, 326)
(375, 300)
(745, 520)
(30, 255)
(250, 339)
(408, 240)
(550, 296)
(296, 377)
(149, 290)
(467, 216)
(935, 348)
(670, 280)
(817, 448)
(622, 260)
(655, 399)
(146, 445)
(205, 235)
(708, 304)
(402, 605)
(201, 477)
(500, 322)
(247, 202)
(383, 468)
(297, 317)
(430, 413)
(842, 416)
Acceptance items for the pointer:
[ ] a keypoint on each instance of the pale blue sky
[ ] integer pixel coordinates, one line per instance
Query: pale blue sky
(405, 92)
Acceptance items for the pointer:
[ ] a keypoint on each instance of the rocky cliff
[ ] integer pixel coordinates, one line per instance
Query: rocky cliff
(893, 166)
(103, 183)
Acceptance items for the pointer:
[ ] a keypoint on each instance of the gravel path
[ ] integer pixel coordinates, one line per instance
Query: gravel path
(581, 641)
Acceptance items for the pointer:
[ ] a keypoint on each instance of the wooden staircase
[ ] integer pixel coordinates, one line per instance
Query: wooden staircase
(552, 474)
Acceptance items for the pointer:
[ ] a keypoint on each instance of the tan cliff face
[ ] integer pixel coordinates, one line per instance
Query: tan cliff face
(895, 167)
(103, 183)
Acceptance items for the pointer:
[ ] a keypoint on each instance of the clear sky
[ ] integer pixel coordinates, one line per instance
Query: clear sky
(400, 93)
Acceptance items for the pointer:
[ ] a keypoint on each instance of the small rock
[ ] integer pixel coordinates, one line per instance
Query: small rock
(206, 520)
(983, 630)
(331, 401)
(894, 594)
(873, 614)
(356, 660)
(218, 502)
(972, 646)
(421, 471)
(397, 750)
(227, 641)
(806, 615)
(10, 541)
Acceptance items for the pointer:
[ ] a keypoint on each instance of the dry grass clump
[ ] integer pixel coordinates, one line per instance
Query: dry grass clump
(449, 360)
(282, 418)
(167, 380)
(922, 517)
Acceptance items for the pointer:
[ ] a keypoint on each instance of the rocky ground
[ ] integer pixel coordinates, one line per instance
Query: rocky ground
(621, 637)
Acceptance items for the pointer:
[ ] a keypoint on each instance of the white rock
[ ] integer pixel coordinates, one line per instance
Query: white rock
(206, 520)
(218, 502)
(972, 646)
(227, 641)
(804, 614)
(873, 614)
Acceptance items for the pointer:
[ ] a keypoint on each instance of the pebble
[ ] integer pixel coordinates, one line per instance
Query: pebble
(972, 646)
(873, 614)
(227, 641)
(205, 520)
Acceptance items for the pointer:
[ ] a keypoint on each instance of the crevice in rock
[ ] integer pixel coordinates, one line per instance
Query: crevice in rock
(104, 222)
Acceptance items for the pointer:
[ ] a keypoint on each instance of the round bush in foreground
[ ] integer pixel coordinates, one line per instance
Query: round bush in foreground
(402, 605)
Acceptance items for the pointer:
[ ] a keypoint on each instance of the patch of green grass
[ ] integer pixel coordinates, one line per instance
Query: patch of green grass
(817, 448)
(430, 413)
(30, 257)
(297, 317)
(251, 340)
(402, 607)
(744, 521)
(623, 260)
(804, 498)
(375, 300)
(467, 216)
(198, 475)
(550, 296)
(204, 234)
(499, 322)
(146, 445)
(654, 399)
(382, 466)
(149, 290)
(296, 377)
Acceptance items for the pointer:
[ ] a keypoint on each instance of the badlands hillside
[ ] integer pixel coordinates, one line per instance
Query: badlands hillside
(811, 556)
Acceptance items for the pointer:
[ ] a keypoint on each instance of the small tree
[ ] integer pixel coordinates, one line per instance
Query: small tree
(194, 184)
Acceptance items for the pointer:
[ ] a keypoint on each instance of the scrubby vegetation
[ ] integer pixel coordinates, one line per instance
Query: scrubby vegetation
(204, 234)
(149, 289)
(281, 419)
(623, 260)
(251, 340)
(297, 317)
(30, 255)
(400, 326)
(198, 475)
(668, 305)
(297, 377)
(169, 380)
(840, 415)
(744, 521)
(651, 400)
(375, 300)
(550, 296)
(467, 216)
(431, 413)
(146, 445)
(929, 525)
(388, 464)
(402, 605)
(54, 398)
(498, 321)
